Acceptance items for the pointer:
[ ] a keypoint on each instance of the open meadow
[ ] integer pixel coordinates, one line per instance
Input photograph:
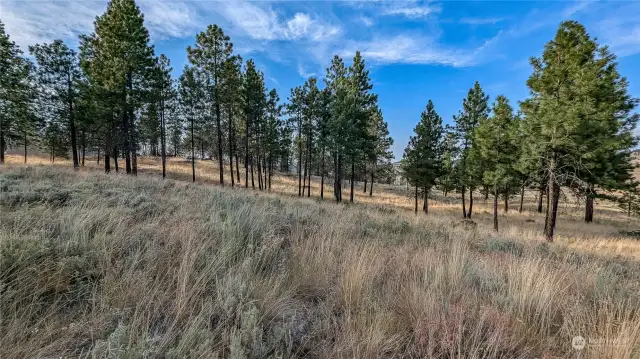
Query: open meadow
(112, 266)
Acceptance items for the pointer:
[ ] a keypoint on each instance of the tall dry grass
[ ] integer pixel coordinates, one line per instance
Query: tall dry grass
(98, 266)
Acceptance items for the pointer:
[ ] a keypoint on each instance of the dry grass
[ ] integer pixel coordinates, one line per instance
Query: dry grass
(605, 236)
(112, 266)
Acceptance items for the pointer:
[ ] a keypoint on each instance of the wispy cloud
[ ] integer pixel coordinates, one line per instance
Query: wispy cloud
(413, 12)
(367, 21)
(480, 20)
(411, 49)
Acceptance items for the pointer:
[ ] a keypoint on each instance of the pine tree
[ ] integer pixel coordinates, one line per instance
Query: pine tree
(14, 92)
(119, 58)
(381, 147)
(212, 50)
(578, 108)
(295, 107)
(422, 161)
(232, 87)
(310, 113)
(164, 94)
(253, 98)
(271, 136)
(497, 150)
(337, 85)
(323, 121)
(191, 93)
(474, 109)
(447, 181)
(58, 75)
(361, 104)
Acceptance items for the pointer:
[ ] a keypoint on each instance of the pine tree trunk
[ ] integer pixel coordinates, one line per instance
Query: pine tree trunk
(506, 201)
(373, 170)
(353, 175)
(521, 199)
(424, 200)
(270, 171)
(554, 193)
(237, 168)
(72, 124)
(107, 162)
(470, 202)
(322, 174)
(365, 183)
(98, 160)
(193, 154)
(335, 176)
(540, 197)
(304, 175)
(495, 209)
(163, 139)
(219, 130)
(546, 213)
(416, 205)
(309, 147)
(246, 153)
(125, 130)
(299, 155)
(25, 148)
(588, 210)
(115, 159)
(2, 143)
(629, 207)
(464, 208)
(253, 183)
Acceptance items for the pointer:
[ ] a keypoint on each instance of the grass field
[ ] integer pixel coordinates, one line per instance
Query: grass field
(110, 266)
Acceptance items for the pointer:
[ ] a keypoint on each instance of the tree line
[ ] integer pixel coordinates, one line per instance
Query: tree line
(116, 98)
(573, 133)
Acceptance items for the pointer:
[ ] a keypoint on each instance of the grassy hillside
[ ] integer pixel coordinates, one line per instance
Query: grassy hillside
(112, 266)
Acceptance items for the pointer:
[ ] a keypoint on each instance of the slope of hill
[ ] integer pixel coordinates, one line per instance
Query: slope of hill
(112, 266)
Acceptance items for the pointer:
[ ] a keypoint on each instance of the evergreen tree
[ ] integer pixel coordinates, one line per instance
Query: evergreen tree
(361, 104)
(474, 109)
(212, 50)
(337, 86)
(422, 161)
(580, 110)
(232, 87)
(14, 92)
(382, 146)
(447, 180)
(164, 93)
(253, 98)
(191, 93)
(497, 150)
(121, 58)
(294, 109)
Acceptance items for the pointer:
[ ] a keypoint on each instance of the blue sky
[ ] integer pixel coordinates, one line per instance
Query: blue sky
(415, 50)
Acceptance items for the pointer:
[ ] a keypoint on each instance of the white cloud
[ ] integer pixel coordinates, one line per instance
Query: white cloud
(367, 21)
(480, 20)
(31, 22)
(413, 12)
(265, 24)
(411, 49)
